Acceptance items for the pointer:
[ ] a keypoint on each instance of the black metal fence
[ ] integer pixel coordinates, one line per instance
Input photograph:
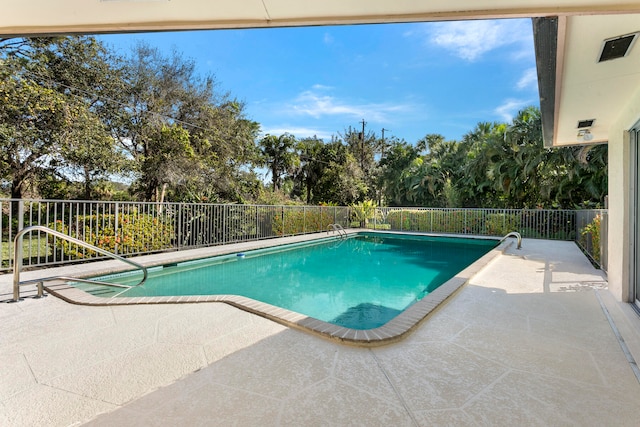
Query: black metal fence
(130, 228)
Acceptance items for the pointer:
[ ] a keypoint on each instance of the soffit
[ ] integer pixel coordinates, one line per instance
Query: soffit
(31, 17)
(588, 89)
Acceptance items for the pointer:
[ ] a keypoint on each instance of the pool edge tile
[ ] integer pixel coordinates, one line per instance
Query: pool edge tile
(394, 330)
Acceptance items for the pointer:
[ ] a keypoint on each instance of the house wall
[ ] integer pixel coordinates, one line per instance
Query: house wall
(620, 239)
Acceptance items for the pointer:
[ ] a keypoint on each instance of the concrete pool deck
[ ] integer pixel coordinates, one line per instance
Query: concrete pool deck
(526, 342)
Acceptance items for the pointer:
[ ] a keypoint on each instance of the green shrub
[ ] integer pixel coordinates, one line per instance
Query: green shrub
(437, 221)
(500, 224)
(298, 220)
(136, 233)
(592, 231)
(363, 212)
(375, 226)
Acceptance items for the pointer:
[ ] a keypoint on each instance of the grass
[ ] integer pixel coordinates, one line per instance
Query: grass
(29, 248)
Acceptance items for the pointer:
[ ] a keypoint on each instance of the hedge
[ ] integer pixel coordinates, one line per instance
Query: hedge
(299, 221)
(454, 221)
(136, 233)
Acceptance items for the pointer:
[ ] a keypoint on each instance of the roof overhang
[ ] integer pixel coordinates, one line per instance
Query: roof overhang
(574, 86)
(43, 17)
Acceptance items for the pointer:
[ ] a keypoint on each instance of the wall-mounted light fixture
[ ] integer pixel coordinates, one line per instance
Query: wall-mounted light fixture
(585, 135)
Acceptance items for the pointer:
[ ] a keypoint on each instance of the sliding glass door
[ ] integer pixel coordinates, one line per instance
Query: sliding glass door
(635, 210)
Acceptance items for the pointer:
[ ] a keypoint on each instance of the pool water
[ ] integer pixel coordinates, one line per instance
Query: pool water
(361, 282)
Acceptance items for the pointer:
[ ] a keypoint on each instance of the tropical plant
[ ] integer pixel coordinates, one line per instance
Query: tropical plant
(591, 237)
(279, 156)
(363, 211)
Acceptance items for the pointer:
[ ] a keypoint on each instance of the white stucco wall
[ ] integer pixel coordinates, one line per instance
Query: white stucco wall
(619, 242)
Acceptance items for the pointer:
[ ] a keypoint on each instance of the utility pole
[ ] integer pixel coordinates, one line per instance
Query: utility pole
(362, 145)
(383, 144)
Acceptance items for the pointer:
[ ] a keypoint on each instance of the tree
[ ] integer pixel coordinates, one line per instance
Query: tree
(363, 147)
(31, 117)
(477, 183)
(164, 92)
(87, 151)
(279, 156)
(311, 165)
(342, 181)
(74, 75)
(399, 156)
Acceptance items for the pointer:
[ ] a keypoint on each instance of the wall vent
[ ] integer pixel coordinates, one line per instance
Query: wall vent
(585, 123)
(617, 47)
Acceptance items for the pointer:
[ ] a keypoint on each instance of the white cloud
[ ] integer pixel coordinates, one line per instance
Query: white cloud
(510, 108)
(315, 104)
(471, 39)
(321, 87)
(528, 80)
(298, 132)
(328, 38)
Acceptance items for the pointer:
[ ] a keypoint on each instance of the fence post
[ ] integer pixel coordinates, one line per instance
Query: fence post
(224, 224)
(465, 222)
(115, 227)
(283, 225)
(20, 214)
(178, 219)
(17, 249)
(375, 218)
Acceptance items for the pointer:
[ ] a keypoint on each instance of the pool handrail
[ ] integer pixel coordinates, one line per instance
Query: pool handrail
(337, 228)
(17, 262)
(516, 235)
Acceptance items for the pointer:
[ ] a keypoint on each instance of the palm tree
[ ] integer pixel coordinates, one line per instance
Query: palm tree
(311, 165)
(279, 156)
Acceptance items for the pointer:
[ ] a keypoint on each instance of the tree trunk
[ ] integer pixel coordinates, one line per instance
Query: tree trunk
(16, 187)
(87, 184)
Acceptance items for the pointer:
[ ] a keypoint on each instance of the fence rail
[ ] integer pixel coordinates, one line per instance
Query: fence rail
(131, 228)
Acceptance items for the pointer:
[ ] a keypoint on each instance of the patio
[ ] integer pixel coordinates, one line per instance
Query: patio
(526, 342)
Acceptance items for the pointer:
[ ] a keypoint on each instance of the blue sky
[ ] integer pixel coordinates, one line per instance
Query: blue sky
(411, 79)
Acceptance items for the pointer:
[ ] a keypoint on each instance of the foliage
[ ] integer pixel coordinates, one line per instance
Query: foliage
(550, 224)
(73, 114)
(53, 117)
(309, 151)
(134, 233)
(302, 220)
(437, 221)
(364, 211)
(279, 156)
(209, 139)
(31, 117)
(499, 224)
(203, 225)
(590, 237)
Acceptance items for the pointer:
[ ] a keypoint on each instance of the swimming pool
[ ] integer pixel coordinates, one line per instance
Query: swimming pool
(361, 282)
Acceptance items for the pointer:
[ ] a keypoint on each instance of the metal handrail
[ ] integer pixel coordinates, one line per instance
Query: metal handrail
(338, 229)
(513, 234)
(17, 262)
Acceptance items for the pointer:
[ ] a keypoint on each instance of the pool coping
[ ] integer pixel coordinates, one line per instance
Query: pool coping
(394, 330)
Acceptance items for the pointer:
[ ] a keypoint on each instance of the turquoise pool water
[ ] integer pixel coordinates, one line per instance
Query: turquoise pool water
(361, 282)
